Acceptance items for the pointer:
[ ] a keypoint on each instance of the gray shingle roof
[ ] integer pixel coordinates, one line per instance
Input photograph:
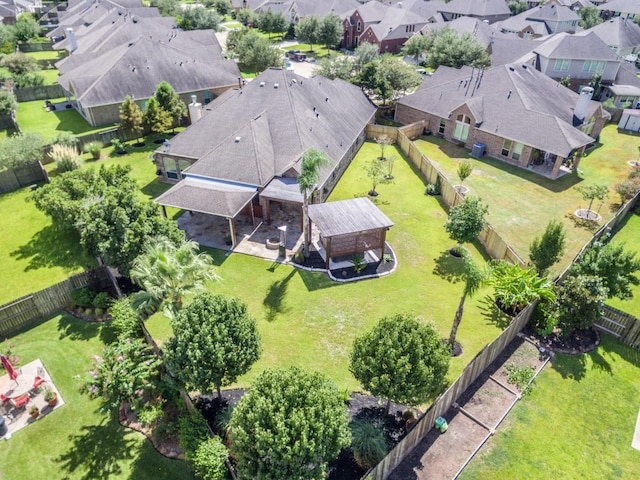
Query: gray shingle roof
(204, 196)
(618, 32)
(81, 13)
(275, 126)
(481, 31)
(477, 8)
(137, 67)
(576, 47)
(283, 188)
(513, 102)
(552, 12)
(622, 6)
(347, 216)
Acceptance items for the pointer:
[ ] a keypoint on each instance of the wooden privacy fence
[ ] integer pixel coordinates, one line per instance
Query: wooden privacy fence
(39, 305)
(40, 92)
(22, 176)
(493, 243)
(623, 326)
(471, 372)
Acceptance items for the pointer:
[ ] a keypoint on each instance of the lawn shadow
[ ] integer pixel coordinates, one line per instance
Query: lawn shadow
(276, 293)
(572, 367)
(588, 225)
(77, 329)
(449, 268)
(147, 464)
(97, 450)
(315, 280)
(493, 314)
(53, 247)
(155, 188)
(218, 256)
(600, 363)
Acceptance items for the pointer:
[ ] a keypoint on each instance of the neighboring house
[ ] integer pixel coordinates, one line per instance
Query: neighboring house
(520, 115)
(294, 10)
(481, 31)
(389, 27)
(624, 91)
(8, 13)
(619, 8)
(621, 34)
(98, 86)
(490, 10)
(541, 21)
(245, 151)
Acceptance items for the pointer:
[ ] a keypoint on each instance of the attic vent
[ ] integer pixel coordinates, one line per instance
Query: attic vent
(511, 68)
(237, 139)
(276, 85)
(524, 66)
(262, 84)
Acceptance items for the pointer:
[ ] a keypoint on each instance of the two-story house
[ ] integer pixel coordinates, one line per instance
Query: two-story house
(541, 21)
(490, 11)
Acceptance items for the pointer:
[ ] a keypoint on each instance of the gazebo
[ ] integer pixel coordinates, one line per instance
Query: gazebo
(350, 227)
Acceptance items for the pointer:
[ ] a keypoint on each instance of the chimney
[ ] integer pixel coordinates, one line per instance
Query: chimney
(72, 39)
(582, 105)
(195, 110)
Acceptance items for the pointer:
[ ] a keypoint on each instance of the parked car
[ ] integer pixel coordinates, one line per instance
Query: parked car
(296, 55)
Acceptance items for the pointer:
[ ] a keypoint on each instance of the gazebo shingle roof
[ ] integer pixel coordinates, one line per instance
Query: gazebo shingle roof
(348, 216)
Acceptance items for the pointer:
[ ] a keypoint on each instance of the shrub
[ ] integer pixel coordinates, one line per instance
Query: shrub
(209, 461)
(125, 320)
(66, 157)
(83, 297)
(98, 311)
(520, 377)
(222, 422)
(433, 189)
(102, 300)
(193, 430)
(118, 146)
(151, 413)
(66, 139)
(545, 317)
(368, 443)
(94, 149)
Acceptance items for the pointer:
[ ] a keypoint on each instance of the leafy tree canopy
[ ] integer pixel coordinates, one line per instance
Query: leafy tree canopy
(8, 102)
(517, 7)
(272, 22)
(19, 63)
(26, 28)
(156, 119)
(21, 149)
(308, 30)
(131, 117)
(589, 17)
(253, 51)
(400, 359)
(616, 267)
(579, 303)
(546, 250)
(447, 47)
(170, 102)
(466, 220)
(416, 46)
(288, 425)
(330, 31)
(198, 18)
(214, 342)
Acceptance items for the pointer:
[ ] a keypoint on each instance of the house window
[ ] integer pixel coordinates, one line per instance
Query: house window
(441, 127)
(562, 65)
(506, 147)
(461, 131)
(593, 66)
(517, 151)
(359, 26)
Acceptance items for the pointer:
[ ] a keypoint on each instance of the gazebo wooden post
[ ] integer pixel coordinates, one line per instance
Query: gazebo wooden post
(384, 239)
(164, 211)
(556, 167)
(232, 228)
(267, 212)
(327, 248)
(253, 217)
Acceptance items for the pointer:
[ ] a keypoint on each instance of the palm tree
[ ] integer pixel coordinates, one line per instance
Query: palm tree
(168, 273)
(474, 277)
(312, 161)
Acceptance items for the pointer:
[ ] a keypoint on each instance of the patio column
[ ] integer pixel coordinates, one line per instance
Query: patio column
(267, 212)
(164, 211)
(232, 229)
(556, 167)
(577, 157)
(327, 246)
(384, 238)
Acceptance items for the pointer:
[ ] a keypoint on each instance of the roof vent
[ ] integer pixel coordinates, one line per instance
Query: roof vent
(511, 68)
(237, 139)
(524, 66)
(509, 94)
(262, 84)
(276, 85)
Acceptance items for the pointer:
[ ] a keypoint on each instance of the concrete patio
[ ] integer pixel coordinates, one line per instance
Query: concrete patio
(16, 419)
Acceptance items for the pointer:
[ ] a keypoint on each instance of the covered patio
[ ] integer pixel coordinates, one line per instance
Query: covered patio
(348, 228)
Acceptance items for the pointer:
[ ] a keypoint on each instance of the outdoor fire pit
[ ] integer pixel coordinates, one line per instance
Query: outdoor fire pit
(272, 243)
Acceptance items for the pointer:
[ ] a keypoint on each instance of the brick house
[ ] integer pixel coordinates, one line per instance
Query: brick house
(520, 115)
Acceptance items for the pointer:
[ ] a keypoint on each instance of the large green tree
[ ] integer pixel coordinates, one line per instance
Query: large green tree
(21, 149)
(308, 30)
(168, 273)
(416, 46)
(289, 424)
(617, 267)
(546, 250)
(330, 31)
(312, 161)
(105, 210)
(252, 50)
(579, 302)
(19, 63)
(447, 47)
(214, 342)
(26, 28)
(198, 18)
(474, 277)
(400, 359)
(272, 22)
(589, 17)
(131, 117)
(156, 119)
(466, 220)
(170, 102)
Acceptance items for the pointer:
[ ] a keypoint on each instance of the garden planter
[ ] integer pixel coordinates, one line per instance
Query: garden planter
(53, 401)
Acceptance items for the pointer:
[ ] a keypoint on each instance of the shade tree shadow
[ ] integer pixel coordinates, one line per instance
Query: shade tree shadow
(97, 450)
(274, 300)
(53, 247)
(315, 280)
(449, 268)
(77, 329)
(493, 314)
(573, 367)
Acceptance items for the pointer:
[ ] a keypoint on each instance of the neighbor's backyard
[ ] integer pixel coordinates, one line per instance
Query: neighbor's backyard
(628, 232)
(521, 203)
(578, 422)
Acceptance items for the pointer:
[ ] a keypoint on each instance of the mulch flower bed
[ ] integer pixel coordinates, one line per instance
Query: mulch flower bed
(88, 317)
(167, 445)
(580, 341)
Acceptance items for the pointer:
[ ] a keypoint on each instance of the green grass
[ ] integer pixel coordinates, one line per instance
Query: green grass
(34, 254)
(316, 50)
(521, 203)
(50, 76)
(628, 233)
(77, 441)
(577, 423)
(32, 117)
(232, 25)
(306, 319)
(53, 55)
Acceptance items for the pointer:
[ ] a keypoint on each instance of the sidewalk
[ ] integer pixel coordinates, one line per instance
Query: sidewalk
(475, 417)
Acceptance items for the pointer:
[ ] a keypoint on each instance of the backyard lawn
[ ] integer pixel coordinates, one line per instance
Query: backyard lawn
(521, 203)
(629, 233)
(306, 319)
(76, 441)
(578, 422)
(32, 117)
